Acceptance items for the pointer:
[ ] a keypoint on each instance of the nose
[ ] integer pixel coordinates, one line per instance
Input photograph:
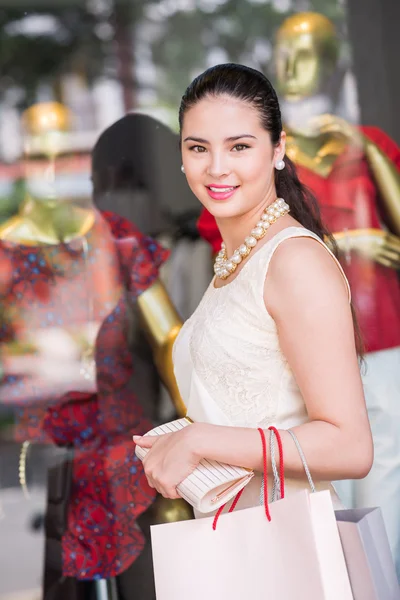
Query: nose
(218, 166)
(290, 65)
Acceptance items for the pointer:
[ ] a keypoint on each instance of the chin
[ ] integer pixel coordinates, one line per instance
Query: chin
(224, 210)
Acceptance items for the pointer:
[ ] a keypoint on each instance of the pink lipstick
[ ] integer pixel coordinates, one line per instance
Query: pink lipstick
(221, 192)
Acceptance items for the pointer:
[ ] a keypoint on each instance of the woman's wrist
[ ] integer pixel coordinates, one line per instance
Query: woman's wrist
(231, 445)
(197, 436)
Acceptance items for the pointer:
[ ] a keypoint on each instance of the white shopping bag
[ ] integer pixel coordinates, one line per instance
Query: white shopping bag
(295, 556)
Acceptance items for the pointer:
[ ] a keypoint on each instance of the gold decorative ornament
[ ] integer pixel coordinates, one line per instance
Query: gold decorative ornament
(165, 510)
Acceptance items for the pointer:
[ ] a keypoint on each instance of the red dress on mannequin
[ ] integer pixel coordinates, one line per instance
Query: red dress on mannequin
(51, 286)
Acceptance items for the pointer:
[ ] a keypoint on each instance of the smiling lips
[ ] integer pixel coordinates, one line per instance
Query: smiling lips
(221, 192)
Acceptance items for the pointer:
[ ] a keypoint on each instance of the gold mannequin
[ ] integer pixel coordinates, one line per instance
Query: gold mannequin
(50, 219)
(44, 217)
(306, 56)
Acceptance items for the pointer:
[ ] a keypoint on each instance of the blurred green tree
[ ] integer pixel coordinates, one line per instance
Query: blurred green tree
(38, 45)
(188, 40)
(182, 37)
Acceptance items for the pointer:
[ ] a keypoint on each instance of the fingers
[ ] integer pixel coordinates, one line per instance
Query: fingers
(162, 475)
(159, 481)
(387, 262)
(390, 253)
(169, 492)
(166, 490)
(379, 246)
(393, 241)
(145, 441)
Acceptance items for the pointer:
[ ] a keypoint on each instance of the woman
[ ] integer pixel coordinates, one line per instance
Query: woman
(273, 340)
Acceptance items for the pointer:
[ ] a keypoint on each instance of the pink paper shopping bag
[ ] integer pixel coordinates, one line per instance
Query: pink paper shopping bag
(296, 555)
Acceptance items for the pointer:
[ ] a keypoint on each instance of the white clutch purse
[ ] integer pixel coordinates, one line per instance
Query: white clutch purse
(212, 483)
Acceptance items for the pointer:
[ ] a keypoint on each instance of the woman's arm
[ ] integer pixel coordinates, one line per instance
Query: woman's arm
(306, 295)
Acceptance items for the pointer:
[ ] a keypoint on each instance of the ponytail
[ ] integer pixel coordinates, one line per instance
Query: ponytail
(303, 204)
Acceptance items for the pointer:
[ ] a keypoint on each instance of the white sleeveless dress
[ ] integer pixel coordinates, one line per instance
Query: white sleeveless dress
(229, 365)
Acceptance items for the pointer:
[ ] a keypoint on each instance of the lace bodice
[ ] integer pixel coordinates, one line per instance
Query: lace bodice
(228, 362)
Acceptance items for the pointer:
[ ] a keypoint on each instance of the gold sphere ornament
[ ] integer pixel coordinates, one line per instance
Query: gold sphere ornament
(165, 510)
(46, 117)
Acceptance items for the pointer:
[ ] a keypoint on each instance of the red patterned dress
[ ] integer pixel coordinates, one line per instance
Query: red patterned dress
(53, 293)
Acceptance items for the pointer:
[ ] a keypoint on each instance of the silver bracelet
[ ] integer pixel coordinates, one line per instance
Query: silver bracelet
(303, 460)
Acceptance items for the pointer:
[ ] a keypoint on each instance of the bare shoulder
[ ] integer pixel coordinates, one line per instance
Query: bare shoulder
(302, 271)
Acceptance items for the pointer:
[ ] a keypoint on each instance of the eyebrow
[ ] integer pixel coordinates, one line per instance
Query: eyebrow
(233, 138)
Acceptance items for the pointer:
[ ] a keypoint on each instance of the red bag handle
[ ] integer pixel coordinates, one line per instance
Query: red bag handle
(265, 473)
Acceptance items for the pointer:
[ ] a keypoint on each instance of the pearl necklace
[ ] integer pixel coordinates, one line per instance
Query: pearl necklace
(224, 266)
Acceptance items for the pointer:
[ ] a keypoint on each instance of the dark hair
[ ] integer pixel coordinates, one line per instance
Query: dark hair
(253, 87)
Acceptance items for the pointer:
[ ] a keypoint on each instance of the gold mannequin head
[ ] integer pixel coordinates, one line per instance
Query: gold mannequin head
(57, 199)
(50, 148)
(46, 127)
(306, 55)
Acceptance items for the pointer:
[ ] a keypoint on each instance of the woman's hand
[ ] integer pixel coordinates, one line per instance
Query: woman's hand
(170, 459)
(375, 244)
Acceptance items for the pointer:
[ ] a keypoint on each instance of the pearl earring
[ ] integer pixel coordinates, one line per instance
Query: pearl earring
(182, 169)
(280, 165)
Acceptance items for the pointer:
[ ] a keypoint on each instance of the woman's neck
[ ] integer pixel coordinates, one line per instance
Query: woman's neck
(234, 230)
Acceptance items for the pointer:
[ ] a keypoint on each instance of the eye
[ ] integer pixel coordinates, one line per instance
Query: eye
(240, 147)
(198, 149)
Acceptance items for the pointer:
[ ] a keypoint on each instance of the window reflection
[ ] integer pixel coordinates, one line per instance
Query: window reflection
(89, 167)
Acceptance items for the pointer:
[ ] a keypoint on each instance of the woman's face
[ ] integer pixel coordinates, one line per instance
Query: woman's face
(228, 156)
